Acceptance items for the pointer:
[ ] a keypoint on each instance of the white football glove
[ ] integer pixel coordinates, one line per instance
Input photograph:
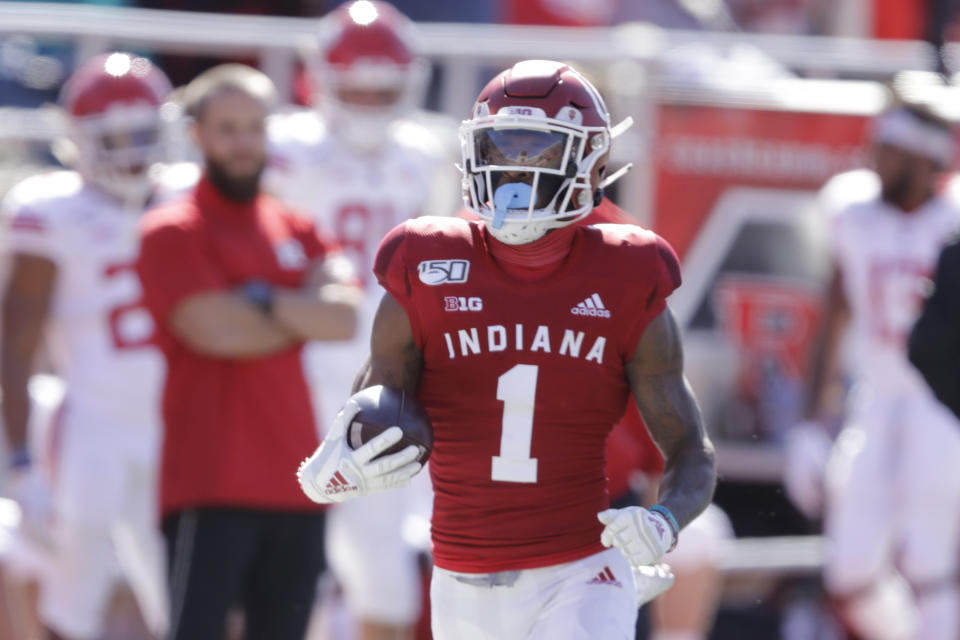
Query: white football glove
(336, 473)
(651, 581)
(640, 535)
(806, 451)
(28, 487)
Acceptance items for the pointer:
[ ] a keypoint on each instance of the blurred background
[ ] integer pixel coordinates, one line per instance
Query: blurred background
(744, 108)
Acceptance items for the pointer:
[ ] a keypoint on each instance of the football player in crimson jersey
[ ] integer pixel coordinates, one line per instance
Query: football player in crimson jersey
(361, 162)
(72, 241)
(523, 335)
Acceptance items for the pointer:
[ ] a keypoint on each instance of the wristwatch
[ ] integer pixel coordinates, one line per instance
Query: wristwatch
(20, 458)
(260, 293)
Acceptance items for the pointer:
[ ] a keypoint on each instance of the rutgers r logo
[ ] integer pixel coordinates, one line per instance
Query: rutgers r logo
(435, 272)
(454, 303)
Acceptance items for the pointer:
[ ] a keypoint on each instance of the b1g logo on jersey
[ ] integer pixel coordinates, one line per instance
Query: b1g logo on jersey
(454, 303)
(435, 272)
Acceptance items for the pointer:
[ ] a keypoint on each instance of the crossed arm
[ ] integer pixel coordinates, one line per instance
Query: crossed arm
(670, 411)
(225, 324)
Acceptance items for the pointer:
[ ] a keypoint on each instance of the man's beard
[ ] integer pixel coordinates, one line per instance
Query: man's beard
(895, 192)
(238, 189)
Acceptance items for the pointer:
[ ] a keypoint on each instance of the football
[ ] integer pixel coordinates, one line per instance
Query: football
(383, 407)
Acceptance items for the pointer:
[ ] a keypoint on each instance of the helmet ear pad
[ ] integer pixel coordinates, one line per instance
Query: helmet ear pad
(599, 170)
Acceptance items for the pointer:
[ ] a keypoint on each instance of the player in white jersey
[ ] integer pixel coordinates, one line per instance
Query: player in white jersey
(892, 490)
(72, 241)
(360, 164)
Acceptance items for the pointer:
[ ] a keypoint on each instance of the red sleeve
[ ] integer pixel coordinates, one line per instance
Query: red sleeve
(321, 246)
(315, 243)
(173, 264)
(393, 271)
(665, 268)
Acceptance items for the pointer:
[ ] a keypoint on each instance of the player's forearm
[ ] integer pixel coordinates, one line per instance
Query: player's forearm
(824, 363)
(669, 408)
(16, 366)
(225, 325)
(823, 368)
(26, 304)
(328, 313)
(16, 406)
(690, 472)
(688, 482)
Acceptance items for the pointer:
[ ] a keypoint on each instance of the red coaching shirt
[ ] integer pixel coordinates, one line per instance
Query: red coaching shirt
(523, 381)
(235, 429)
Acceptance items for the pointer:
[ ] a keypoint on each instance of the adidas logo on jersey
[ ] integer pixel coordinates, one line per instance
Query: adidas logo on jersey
(592, 306)
(338, 484)
(606, 577)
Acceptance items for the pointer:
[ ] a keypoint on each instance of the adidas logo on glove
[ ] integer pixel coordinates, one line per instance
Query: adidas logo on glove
(338, 484)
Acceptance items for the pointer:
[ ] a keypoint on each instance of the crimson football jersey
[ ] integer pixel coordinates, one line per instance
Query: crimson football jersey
(523, 382)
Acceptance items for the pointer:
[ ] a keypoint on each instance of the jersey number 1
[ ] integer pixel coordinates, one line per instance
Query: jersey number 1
(517, 390)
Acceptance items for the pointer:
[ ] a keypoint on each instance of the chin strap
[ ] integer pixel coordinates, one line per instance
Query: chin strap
(598, 197)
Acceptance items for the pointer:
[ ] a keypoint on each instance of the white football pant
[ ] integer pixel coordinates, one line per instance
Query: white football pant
(893, 503)
(105, 502)
(591, 598)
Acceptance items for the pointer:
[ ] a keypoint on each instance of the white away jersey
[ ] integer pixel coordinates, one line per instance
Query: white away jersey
(886, 257)
(357, 198)
(99, 336)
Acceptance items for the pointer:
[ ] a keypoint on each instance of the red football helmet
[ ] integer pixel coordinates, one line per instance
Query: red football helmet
(113, 106)
(533, 150)
(368, 70)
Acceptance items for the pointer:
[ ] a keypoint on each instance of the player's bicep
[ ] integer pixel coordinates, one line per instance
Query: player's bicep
(395, 358)
(662, 392)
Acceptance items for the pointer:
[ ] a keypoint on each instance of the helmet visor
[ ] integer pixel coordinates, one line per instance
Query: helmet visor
(519, 148)
(130, 151)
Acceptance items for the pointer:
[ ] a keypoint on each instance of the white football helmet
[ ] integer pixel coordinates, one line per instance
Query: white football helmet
(113, 110)
(368, 71)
